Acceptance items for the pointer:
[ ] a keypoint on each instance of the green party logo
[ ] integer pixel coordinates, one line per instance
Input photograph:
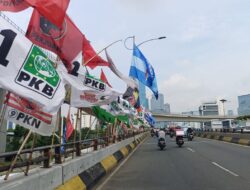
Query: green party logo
(39, 74)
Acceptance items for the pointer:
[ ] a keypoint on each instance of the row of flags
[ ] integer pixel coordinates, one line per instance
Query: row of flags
(36, 84)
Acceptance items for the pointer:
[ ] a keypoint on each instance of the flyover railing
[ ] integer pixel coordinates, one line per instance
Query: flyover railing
(46, 156)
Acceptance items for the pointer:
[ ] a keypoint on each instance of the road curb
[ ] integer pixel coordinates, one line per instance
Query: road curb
(88, 178)
(235, 140)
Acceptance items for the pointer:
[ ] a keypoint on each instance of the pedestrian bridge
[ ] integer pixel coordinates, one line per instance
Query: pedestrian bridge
(189, 118)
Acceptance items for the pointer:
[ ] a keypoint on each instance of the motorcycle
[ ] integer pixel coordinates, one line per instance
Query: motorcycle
(171, 134)
(190, 136)
(179, 138)
(162, 143)
(152, 134)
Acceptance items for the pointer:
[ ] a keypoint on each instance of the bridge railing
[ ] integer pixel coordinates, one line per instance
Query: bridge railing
(56, 154)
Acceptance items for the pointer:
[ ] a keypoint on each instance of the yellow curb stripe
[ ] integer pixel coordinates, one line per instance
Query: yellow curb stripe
(124, 151)
(109, 163)
(227, 139)
(132, 145)
(74, 183)
(243, 141)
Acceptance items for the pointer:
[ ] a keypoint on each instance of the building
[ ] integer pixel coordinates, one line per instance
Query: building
(167, 108)
(209, 108)
(230, 112)
(142, 95)
(244, 105)
(157, 106)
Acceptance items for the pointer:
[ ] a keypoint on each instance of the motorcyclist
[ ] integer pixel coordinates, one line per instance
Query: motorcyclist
(189, 131)
(162, 134)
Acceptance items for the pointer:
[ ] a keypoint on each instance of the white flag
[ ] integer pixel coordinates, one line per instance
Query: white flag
(26, 70)
(86, 90)
(27, 114)
(95, 92)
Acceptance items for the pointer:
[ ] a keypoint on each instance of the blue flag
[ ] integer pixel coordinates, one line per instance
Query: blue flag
(150, 119)
(142, 70)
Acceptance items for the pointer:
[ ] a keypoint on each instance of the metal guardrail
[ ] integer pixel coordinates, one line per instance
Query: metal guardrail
(48, 155)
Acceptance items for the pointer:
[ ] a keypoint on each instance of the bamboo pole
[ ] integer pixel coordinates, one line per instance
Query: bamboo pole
(18, 154)
(75, 132)
(30, 156)
(54, 132)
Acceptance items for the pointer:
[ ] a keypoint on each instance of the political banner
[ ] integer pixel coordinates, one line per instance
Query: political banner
(27, 71)
(27, 114)
(95, 92)
(86, 90)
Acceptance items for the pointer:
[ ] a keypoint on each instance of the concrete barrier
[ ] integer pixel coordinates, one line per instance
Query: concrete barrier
(79, 173)
(230, 139)
(88, 178)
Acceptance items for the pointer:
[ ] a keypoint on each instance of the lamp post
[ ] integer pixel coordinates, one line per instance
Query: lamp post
(133, 37)
(223, 101)
(142, 88)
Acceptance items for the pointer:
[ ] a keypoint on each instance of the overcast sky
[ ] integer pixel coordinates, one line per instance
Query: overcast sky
(206, 55)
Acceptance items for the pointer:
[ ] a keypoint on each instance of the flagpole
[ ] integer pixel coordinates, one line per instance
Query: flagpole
(101, 51)
(30, 157)
(75, 132)
(17, 155)
(58, 121)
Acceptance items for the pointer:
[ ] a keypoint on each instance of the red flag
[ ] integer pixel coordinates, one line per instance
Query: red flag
(13, 5)
(69, 126)
(53, 10)
(66, 42)
(104, 78)
(92, 58)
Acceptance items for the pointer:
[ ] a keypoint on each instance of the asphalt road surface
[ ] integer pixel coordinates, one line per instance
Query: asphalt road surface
(201, 164)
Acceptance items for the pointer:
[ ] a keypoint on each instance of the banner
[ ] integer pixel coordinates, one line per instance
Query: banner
(95, 92)
(27, 71)
(66, 42)
(86, 90)
(13, 5)
(27, 114)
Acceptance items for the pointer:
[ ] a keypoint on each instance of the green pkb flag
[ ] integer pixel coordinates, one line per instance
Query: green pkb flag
(39, 65)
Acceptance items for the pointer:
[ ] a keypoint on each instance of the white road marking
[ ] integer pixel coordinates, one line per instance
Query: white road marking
(232, 173)
(190, 149)
(118, 167)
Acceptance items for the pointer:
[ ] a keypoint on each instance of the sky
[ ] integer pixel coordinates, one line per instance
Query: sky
(206, 55)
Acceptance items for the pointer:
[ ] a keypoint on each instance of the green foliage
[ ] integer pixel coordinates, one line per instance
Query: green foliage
(244, 117)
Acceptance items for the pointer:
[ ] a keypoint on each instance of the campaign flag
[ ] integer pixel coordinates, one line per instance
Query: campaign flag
(91, 58)
(86, 90)
(95, 93)
(129, 81)
(67, 42)
(53, 10)
(47, 8)
(69, 125)
(27, 114)
(27, 71)
(132, 95)
(104, 78)
(149, 118)
(13, 5)
(142, 70)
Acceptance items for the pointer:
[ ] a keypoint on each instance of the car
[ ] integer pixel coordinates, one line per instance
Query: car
(246, 130)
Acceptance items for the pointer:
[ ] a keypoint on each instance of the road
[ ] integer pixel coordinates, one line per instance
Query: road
(202, 164)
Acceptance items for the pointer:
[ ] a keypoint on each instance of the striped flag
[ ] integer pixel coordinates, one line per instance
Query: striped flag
(29, 115)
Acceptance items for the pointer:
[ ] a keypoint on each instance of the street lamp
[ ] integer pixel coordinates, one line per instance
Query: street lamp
(223, 101)
(133, 37)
